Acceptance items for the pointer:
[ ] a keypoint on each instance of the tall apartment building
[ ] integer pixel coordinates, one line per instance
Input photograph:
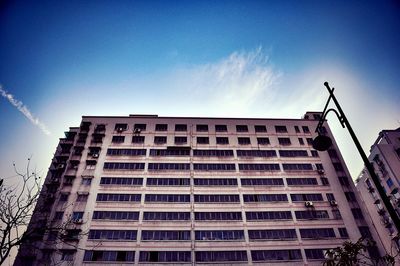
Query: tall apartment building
(385, 157)
(144, 189)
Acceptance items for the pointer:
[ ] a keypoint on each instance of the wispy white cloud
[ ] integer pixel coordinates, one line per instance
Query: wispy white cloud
(24, 110)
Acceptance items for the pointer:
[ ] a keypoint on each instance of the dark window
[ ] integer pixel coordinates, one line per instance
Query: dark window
(118, 139)
(64, 197)
(269, 215)
(344, 180)
(214, 167)
(330, 196)
(218, 216)
(314, 153)
(138, 139)
(276, 255)
(221, 128)
(168, 166)
(170, 152)
(338, 166)
(124, 181)
(357, 213)
(296, 128)
(262, 181)
(166, 216)
(166, 198)
(118, 197)
(315, 254)
(202, 128)
(275, 234)
(203, 140)
(213, 153)
(58, 215)
(336, 214)
(82, 197)
(311, 215)
(244, 141)
(265, 198)
(317, 233)
(333, 154)
(141, 127)
(242, 128)
(284, 141)
(306, 129)
(260, 128)
(319, 166)
(350, 196)
(121, 127)
(113, 234)
(263, 141)
(168, 181)
(210, 256)
(160, 140)
(161, 127)
(306, 197)
(215, 182)
(98, 255)
(223, 140)
(343, 233)
(67, 255)
(256, 153)
(165, 235)
(364, 231)
(123, 166)
(127, 152)
(115, 215)
(281, 129)
(301, 141)
(293, 153)
(180, 140)
(301, 181)
(309, 141)
(297, 167)
(259, 167)
(180, 127)
(220, 235)
(324, 181)
(216, 198)
(165, 256)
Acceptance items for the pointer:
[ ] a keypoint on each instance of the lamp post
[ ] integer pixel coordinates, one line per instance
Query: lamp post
(322, 143)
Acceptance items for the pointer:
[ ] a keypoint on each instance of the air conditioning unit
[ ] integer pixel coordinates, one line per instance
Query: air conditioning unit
(333, 203)
(120, 129)
(60, 166)
(137, 130)
(309, 204)
(320, 171)
(95, 155)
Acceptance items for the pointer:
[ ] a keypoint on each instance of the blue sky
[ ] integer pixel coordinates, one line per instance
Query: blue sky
(65, 59)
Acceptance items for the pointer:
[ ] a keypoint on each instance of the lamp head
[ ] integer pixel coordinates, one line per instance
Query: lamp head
(322, 143)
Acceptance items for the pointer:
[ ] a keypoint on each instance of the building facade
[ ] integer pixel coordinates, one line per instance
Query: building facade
(144, 189)
(385, 157)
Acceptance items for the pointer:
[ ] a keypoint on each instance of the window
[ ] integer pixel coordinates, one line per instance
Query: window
(259, 167)
(168, 181)
(281, 129)
(263, 141)
(221, 128)
(123, 166)
(261, 181)
(242, 128)
(161, 127)
(338, 166)
(121, 127)
(301, 181)
(260, 129)
(203, 140)
(150, 235)
(118, 197)
(99, 255)
(350, 196)
(256, 153)
(167, 198)
(301, 141)
(138, 139)
(180, 140)
(314, 153)
(275, 234)
(58, 215)
(276, 255)
(364, 231)
(223, 140)
(293, 153)
(170, 152)
(64, 197)
(306, 197)
(82, 197)
(389, 182)
(211, 256)
(332, 154)
(160, 140)
(357, 213)
(125, 181)
(112, 234)
(168, 166)
(311, 215)
(67, 255)
(218, 216)
(344, 180)
(77, 216)
(269, 215)
(309, 141)
(265, 198)
(115, 215)
(165, 256)
(214, 167)
(297, 167)
(336, 214)
(296, 128)
(118, 139)
(126, 152)
(343, 233)
(319, 166)
(306, 129)
(180, 127)
(202, 128)
(216, 198)
(315, 254)
(86, 181)
(166, 216)
(213, 153)
(220, 235)
(141, 127)
(324, 181)
(284, 141)
(330, 197)
(215, 182)
(317, 233)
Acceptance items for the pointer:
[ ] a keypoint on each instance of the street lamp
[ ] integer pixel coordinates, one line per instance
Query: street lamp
(323, 143)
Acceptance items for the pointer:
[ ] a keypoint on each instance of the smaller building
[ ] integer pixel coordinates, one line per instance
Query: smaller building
(385, 158)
